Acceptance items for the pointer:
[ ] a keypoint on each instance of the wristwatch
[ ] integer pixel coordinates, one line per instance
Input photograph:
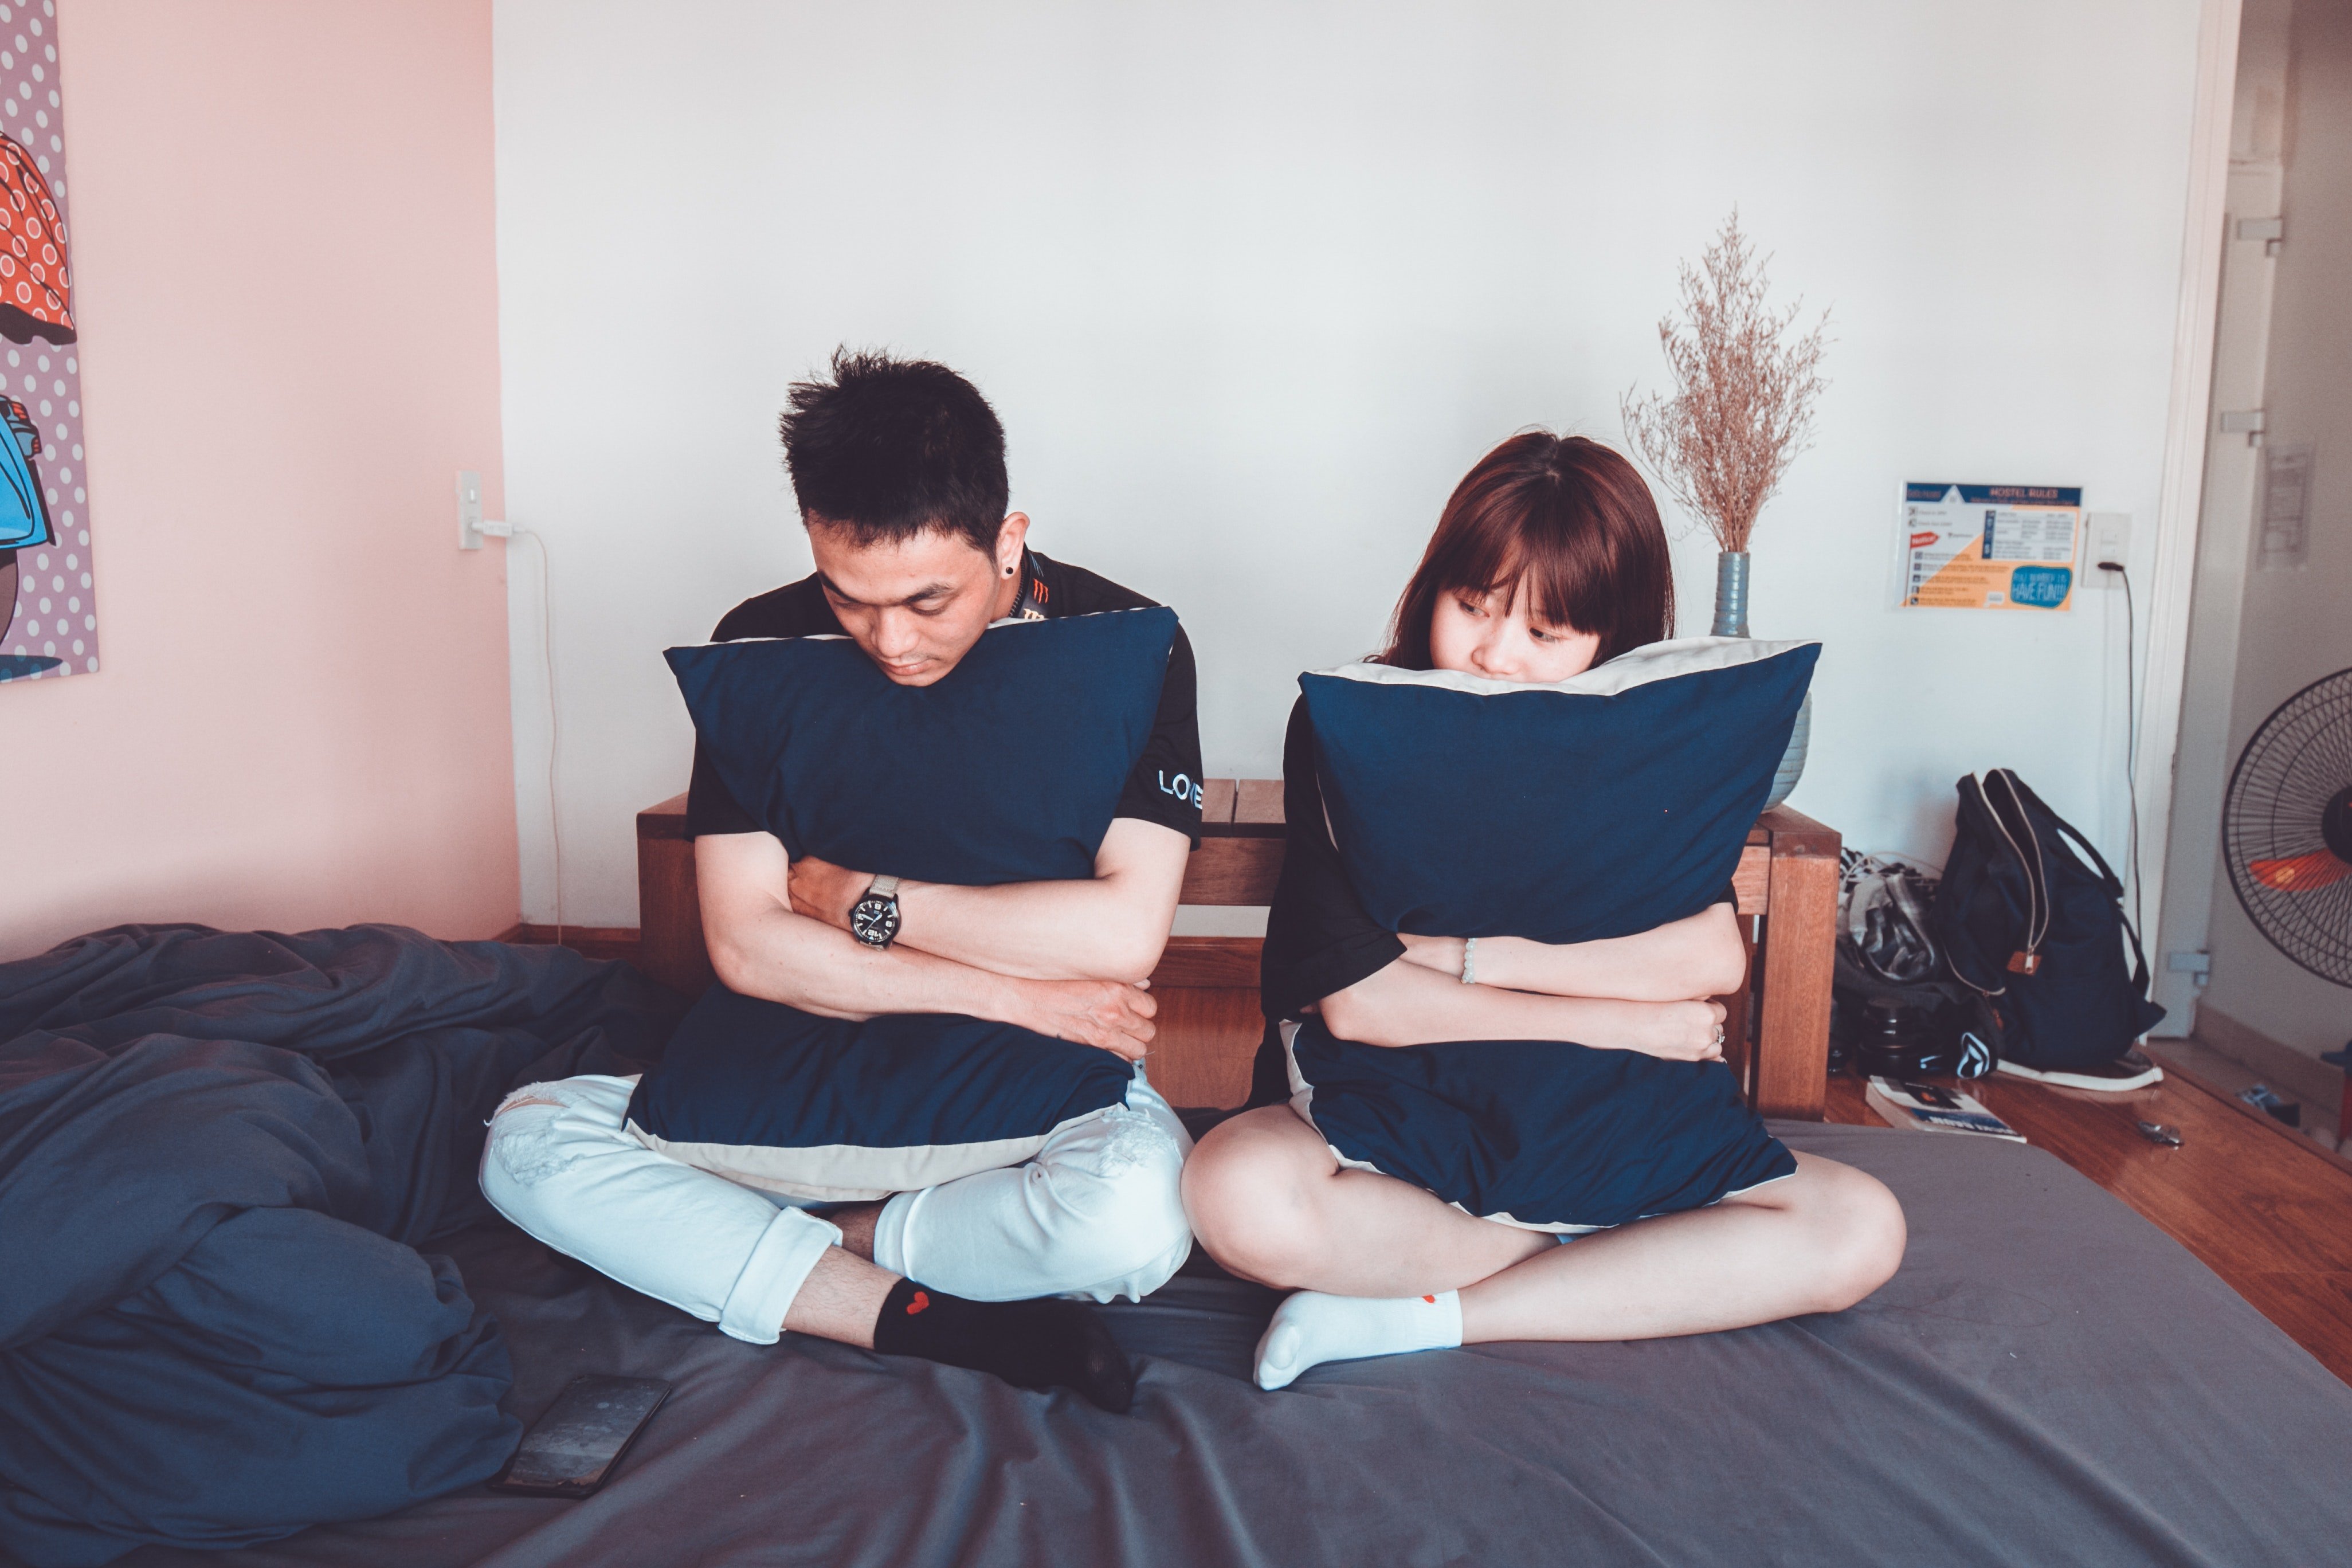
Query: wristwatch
(874, 919)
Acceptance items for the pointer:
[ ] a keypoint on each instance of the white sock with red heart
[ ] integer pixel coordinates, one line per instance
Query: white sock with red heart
(1310, 1328)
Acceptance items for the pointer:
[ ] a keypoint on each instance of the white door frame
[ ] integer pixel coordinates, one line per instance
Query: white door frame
(2225, 550)
(2187, 420)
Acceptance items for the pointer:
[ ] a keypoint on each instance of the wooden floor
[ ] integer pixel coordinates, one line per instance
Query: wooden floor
(2268, 1210)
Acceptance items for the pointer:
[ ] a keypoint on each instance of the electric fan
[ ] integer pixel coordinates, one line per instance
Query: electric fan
(2286, 827)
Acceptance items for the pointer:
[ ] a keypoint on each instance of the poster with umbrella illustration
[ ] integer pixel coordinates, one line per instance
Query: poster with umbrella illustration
(49, 612)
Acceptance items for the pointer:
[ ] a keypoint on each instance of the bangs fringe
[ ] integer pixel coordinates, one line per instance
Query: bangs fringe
(1564, 593)
(1569, 521)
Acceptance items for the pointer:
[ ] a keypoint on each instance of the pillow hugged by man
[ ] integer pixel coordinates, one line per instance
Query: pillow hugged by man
(941, 804)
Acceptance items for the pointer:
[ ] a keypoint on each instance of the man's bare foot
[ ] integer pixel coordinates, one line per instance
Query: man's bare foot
(857, 1223)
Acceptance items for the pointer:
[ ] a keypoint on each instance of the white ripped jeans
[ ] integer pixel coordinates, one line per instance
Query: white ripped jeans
(1097, 1213)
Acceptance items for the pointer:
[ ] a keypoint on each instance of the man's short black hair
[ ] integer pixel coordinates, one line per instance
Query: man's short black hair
(889, 448)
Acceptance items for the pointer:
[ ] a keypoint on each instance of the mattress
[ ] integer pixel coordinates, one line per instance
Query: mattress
(2048, 1380)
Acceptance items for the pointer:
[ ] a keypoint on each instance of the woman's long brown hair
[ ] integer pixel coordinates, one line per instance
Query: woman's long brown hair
(1562, 519)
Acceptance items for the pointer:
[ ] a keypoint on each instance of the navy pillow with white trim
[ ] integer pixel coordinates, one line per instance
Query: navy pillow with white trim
(1542, 1134)
(1008, 769)
(1604, 806)
(826, 1111)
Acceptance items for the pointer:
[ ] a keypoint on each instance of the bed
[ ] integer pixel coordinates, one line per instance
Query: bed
(2048, 1379)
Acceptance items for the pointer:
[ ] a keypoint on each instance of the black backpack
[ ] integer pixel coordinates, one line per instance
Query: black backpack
(2038, 933)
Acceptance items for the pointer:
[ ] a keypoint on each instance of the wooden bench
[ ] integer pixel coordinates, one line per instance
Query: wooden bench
(1777, 1032)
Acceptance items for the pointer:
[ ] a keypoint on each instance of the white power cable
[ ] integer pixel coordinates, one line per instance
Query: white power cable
(554, 725)
(2131, 732)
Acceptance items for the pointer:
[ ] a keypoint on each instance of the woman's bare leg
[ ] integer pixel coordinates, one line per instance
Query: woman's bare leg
(1269, 1201)
(1817, 1241)
(1280, 1210)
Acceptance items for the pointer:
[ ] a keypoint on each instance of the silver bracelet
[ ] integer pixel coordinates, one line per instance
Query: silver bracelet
(1470, 962)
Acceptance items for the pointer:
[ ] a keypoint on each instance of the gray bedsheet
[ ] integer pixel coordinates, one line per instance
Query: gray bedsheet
(2048, 1380)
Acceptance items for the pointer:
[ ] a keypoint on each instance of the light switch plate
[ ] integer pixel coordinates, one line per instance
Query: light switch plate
(469, 510)
(2110, 540)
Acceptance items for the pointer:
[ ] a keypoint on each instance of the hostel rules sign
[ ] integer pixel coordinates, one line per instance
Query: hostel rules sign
(1989, 547)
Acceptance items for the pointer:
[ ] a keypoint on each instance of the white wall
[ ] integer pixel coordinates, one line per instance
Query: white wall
(2296, 625)
(1251, 286)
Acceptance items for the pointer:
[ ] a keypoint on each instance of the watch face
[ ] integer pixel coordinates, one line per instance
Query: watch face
(874, 921)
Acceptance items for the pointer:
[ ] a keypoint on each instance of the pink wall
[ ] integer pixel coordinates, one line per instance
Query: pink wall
(286, 281)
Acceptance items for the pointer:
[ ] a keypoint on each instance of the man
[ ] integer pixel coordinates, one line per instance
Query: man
(899, 468)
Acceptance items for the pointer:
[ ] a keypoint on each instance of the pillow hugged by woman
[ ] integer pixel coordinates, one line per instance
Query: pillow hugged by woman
(1462, 1101)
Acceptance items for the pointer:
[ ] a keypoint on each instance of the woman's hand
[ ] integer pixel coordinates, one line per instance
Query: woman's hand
(1677, 1031)
(1109, 1014)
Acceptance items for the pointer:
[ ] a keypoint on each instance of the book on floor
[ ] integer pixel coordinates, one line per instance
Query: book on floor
(1933, 1108)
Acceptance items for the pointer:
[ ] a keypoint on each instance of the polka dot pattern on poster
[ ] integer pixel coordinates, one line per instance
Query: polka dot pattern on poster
(33, 280)
(48, 611)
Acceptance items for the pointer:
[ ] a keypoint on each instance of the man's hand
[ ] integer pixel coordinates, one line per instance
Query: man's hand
(1110, 1015)
(779, 929)
(823, 891)
(1110, 926)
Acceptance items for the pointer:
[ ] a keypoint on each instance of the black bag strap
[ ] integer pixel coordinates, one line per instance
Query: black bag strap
(2039, 909)
(1963, 875)
(2109, 883)
(2112, 883)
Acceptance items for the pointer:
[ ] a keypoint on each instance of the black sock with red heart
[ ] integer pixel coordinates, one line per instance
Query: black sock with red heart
(1030, 1344)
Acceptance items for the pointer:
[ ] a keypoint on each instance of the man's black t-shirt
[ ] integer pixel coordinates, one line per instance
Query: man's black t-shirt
(1165, 785)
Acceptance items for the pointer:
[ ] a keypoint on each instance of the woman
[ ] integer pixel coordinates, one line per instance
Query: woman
(1548, 559)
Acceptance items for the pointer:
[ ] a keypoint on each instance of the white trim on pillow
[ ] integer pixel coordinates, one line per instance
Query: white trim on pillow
(852, 1172)
(1640, 667)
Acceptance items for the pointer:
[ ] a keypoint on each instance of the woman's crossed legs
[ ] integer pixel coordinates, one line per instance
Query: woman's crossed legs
(1376, 1260)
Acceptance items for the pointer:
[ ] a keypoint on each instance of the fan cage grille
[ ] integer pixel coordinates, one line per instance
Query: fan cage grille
(2298, 761)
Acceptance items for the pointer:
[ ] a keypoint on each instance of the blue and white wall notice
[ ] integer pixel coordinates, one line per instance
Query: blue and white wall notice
(1989, 547)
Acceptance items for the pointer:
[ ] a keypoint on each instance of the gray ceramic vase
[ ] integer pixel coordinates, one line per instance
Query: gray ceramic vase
(1731, 621)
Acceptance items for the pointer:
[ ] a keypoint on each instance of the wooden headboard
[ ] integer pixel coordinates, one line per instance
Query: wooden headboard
(1786, 886)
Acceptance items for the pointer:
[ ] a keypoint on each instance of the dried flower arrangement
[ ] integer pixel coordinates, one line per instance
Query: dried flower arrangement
(1745, 381)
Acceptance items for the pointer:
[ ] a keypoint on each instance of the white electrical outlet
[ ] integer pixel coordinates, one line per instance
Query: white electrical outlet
(469, 510)
(2110, 540)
